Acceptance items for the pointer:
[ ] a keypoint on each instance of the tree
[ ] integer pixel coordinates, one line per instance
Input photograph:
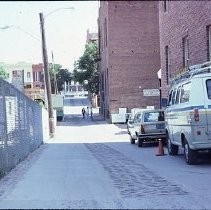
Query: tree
(58, 76)
(3, 73)
(86, 68)
(63, 76)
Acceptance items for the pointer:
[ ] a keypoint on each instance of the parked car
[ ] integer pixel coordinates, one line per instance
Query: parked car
(147, 126)
(188, 114)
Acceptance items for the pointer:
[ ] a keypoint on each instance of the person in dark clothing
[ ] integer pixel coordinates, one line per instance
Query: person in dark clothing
(83, 112)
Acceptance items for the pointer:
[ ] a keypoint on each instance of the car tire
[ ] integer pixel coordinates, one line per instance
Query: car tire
(140, 142)
(190, 155)
(172, 148)
(132, 140)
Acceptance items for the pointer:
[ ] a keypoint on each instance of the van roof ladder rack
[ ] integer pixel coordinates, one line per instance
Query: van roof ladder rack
(192, 70)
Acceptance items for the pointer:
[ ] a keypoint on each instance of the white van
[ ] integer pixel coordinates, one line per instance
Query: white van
(188, 114)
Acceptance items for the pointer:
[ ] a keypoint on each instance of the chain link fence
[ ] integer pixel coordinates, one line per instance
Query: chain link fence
(21, 130)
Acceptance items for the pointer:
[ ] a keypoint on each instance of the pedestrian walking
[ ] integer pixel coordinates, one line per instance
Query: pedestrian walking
(83, 112)
(91, 114)
(87, 111)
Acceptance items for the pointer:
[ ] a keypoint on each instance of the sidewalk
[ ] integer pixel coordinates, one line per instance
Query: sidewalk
(63, 173)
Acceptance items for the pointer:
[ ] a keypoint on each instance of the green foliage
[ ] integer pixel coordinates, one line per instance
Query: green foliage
(3, 73)
(60, 75)
(86, 68)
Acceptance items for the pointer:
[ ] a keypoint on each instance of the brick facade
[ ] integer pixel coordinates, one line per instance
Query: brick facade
(38, 75)
(182, 19)
(129, 52)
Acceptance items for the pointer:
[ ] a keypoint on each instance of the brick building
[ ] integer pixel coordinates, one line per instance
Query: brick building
(129, 54)
(185, 37)
(14, 68)
(38, 76)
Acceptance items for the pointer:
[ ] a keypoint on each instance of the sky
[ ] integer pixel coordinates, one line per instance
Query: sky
(65, 30)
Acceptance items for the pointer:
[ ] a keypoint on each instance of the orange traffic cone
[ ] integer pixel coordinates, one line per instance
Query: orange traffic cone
(160, 148)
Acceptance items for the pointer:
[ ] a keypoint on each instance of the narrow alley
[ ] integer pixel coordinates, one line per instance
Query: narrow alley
(91, 164)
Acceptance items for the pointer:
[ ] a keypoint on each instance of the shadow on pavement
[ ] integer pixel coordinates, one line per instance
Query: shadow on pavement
(121, 126)
(78, 120)
(121, 133)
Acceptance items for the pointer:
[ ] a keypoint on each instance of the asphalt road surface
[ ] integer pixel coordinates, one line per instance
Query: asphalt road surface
(91, 164)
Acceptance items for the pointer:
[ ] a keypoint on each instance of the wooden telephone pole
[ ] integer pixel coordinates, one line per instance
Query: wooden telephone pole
(47, 78)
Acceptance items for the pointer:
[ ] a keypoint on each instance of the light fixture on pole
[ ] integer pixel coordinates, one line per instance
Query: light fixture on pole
(19, 28)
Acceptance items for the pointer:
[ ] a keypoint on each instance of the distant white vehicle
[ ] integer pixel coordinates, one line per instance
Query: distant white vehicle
(58, 105)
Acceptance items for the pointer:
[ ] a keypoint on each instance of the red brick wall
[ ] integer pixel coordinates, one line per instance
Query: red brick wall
(183, 18)
(133, 56)
(103, 14)
(37, 68)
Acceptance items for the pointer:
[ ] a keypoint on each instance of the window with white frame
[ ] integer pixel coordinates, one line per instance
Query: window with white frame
(28, 75)
(185, 47)
(36, 76)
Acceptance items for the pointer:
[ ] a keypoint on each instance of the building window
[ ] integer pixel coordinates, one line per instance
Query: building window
(28, 75)
(165, 5)
(185, 47)
(36, 76)
(14, 73)
(167, 63)
(99, 39)
(105, 33)
(209, 42)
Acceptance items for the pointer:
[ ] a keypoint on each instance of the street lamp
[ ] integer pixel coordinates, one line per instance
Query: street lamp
(46, 70)
(45, 64)
(159, 77)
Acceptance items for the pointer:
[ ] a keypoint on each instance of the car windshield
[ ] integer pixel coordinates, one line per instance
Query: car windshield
(154, 116)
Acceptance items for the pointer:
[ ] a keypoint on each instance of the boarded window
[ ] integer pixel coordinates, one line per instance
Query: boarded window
(185, 47)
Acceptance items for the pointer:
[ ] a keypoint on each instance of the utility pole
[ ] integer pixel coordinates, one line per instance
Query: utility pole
(47, 77)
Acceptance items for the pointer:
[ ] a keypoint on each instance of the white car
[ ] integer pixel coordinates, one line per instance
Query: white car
(147, 126)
